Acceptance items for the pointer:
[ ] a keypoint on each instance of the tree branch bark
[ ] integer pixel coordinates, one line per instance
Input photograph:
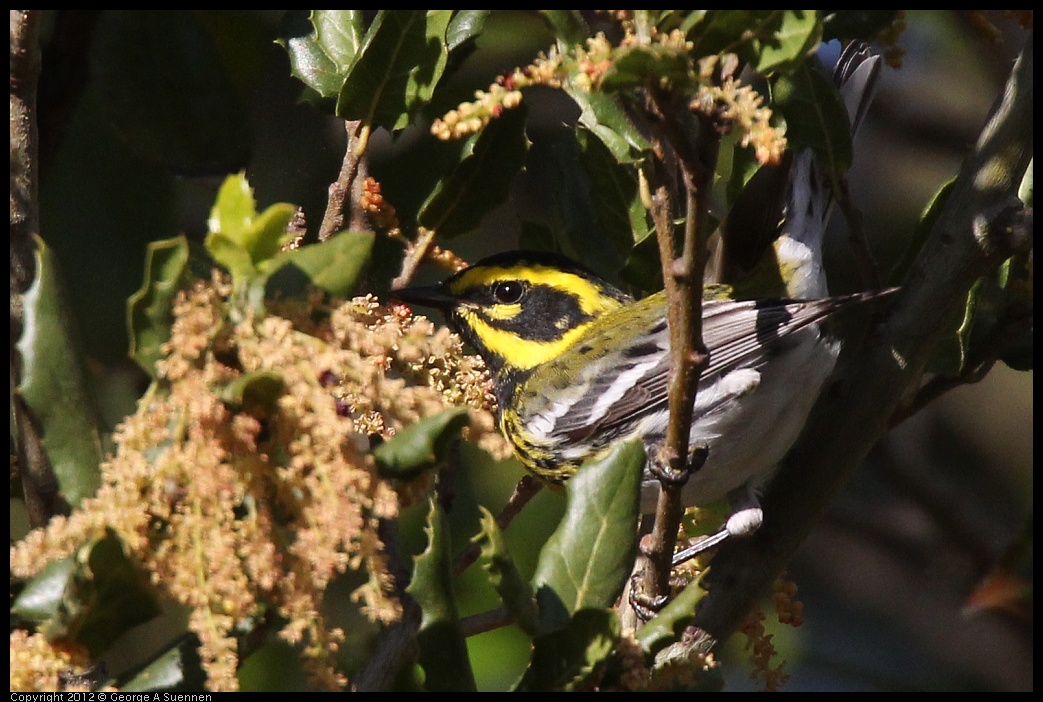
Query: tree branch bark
(349, 183)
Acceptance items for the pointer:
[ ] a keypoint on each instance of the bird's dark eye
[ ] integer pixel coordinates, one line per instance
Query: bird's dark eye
(508, 292)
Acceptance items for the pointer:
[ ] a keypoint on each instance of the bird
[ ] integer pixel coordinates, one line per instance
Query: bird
(578, 365)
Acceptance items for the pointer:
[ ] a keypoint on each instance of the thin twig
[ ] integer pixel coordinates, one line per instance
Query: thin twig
(658, 546)
(349, 181)
(682, 277)
(485, 621)
(396, 645)
(415, 253)
(24, 78)
(524, 491)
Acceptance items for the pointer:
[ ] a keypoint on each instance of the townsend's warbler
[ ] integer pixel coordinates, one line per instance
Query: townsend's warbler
(578, 365)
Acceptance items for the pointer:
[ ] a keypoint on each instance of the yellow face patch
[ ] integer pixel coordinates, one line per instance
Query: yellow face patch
(524, 353)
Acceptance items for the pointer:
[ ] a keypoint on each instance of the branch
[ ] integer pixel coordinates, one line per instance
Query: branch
(964, 244)
(482, 622)
(349, 181)
(415, 253)
(524, 491)
(682, 278)
(25, 207)
(396, 645)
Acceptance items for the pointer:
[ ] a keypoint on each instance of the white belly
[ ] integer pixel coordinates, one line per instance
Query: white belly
(748, 441)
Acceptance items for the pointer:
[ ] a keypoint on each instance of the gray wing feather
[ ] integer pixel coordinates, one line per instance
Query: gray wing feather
(740, 334)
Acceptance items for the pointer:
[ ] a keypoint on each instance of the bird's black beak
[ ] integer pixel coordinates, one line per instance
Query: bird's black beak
(429, 296)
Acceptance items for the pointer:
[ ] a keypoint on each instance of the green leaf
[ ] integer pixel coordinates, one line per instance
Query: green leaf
(587, 559)
(1016, 285)
(966, 328)
(734, 31)
(240, 239)
(996, 322)
(643, 270)
(572, 198)
(669, 624)
(767, 40)
(339, 33)
(481, 181)
(685, 21)
(402, 58)
(234, 207)
(177, 667)
(1025, 188)
(927, 220)
(653, 64)
(512, 588)
(568, 26)
(566, 658)
(256, 392)
(615, 197)
(736, 167)
(229, 254)
(231, 216)
(420, 446)
(815, 118)
(663, 638)
(170, 266)
(167, 93)
(605, 118)
(536, 237)
(92, 598)
(322, 46)
(54, 387)
(334, 265)
(116, 595)
(998, 317)
(797, 36)
(465, 27)
(442, 649)
(752, 197)
(41, 598)
(149, 312)
(268, 233)
(953, 347)
(949, 352)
